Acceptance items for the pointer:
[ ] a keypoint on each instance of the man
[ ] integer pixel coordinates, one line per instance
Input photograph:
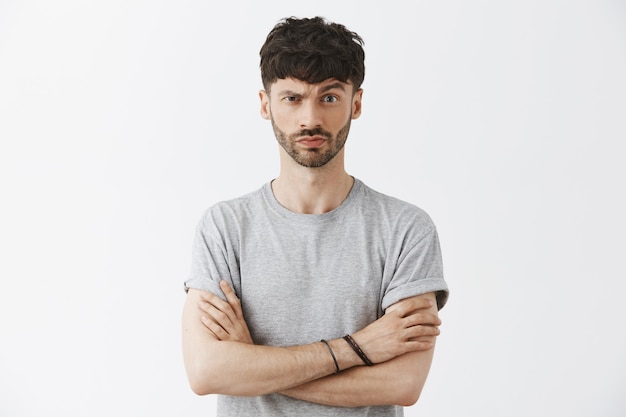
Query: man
(314, 295)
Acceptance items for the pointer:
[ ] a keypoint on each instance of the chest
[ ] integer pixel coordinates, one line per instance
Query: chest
(300, 285)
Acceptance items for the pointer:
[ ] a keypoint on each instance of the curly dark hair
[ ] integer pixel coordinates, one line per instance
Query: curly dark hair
(312, 50)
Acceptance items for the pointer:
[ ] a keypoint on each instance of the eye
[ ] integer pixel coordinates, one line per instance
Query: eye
(290, 99)
(330, 99)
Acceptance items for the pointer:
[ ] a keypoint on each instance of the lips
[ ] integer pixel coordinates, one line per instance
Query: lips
(312, 141)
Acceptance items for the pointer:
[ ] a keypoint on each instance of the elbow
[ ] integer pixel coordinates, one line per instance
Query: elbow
(209, 377)
(408, 399)
(408, 391)
(198, 387)
(198, 390)
(200, 380)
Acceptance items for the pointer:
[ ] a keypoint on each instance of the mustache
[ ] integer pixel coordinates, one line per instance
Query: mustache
(318, 131)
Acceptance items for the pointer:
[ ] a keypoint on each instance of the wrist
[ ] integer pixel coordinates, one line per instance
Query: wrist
(357, 349)
(345, 356)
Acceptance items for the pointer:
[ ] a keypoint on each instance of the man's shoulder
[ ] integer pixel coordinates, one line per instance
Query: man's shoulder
(241, 201)
(393, 207)
(228, 210)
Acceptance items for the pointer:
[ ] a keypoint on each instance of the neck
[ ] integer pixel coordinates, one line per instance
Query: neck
(312, 190)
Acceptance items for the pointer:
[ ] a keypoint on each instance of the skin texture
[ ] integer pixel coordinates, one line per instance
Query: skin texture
(311, 123)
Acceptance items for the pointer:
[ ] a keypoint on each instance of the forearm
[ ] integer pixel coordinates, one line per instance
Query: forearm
(220, 356)
(396, 382)
(234, 368)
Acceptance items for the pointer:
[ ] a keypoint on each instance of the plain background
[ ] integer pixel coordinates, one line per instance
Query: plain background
(121, 121)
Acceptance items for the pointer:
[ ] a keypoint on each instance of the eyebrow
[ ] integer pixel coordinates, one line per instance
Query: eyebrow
(332, 86)
(326, 88)
(289, 93)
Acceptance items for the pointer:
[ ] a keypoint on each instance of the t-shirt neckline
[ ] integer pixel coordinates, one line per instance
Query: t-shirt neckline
(282, 211)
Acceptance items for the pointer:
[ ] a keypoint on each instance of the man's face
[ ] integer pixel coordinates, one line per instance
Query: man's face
(311, 121)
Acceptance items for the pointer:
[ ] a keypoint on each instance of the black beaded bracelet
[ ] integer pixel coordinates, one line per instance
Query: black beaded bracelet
(358, 350)
(331, 354)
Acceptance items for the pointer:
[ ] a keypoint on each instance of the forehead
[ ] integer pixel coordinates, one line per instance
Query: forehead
(293, 85)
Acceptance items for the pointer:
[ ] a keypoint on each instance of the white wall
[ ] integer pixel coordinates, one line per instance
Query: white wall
(121, 121)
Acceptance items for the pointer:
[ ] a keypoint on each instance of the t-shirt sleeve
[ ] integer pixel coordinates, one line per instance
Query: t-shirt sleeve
(419, 270)
(209, 258)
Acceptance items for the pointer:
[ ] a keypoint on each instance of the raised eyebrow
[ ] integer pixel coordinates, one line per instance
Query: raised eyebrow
(338, 85)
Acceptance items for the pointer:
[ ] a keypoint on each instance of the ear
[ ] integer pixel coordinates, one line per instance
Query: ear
(356, 103)
(265, 105)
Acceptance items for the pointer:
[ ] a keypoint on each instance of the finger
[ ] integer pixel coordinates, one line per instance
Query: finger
(425, 319)
(420, 345)
(216, 330)
(219, 317)
(421, 331)
(410, 305)
(214, 300)
(231, 297)
(204, 306)
(220, 313)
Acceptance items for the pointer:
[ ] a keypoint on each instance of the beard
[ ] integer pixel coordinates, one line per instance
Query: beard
(312, 157)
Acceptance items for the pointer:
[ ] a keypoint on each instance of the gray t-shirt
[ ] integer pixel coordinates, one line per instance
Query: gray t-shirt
(306, 277)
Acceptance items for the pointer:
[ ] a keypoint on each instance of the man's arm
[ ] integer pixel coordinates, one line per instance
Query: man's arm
(393, 335)
(398, 381)
(236, 368)
(233, 367)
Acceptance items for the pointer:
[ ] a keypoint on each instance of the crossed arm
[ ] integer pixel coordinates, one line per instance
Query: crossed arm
(220, 356)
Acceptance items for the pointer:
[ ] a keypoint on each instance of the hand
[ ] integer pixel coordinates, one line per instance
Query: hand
(407, 326)
(224, 319)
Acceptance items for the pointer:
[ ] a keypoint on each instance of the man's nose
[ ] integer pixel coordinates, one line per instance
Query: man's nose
(310, 115)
